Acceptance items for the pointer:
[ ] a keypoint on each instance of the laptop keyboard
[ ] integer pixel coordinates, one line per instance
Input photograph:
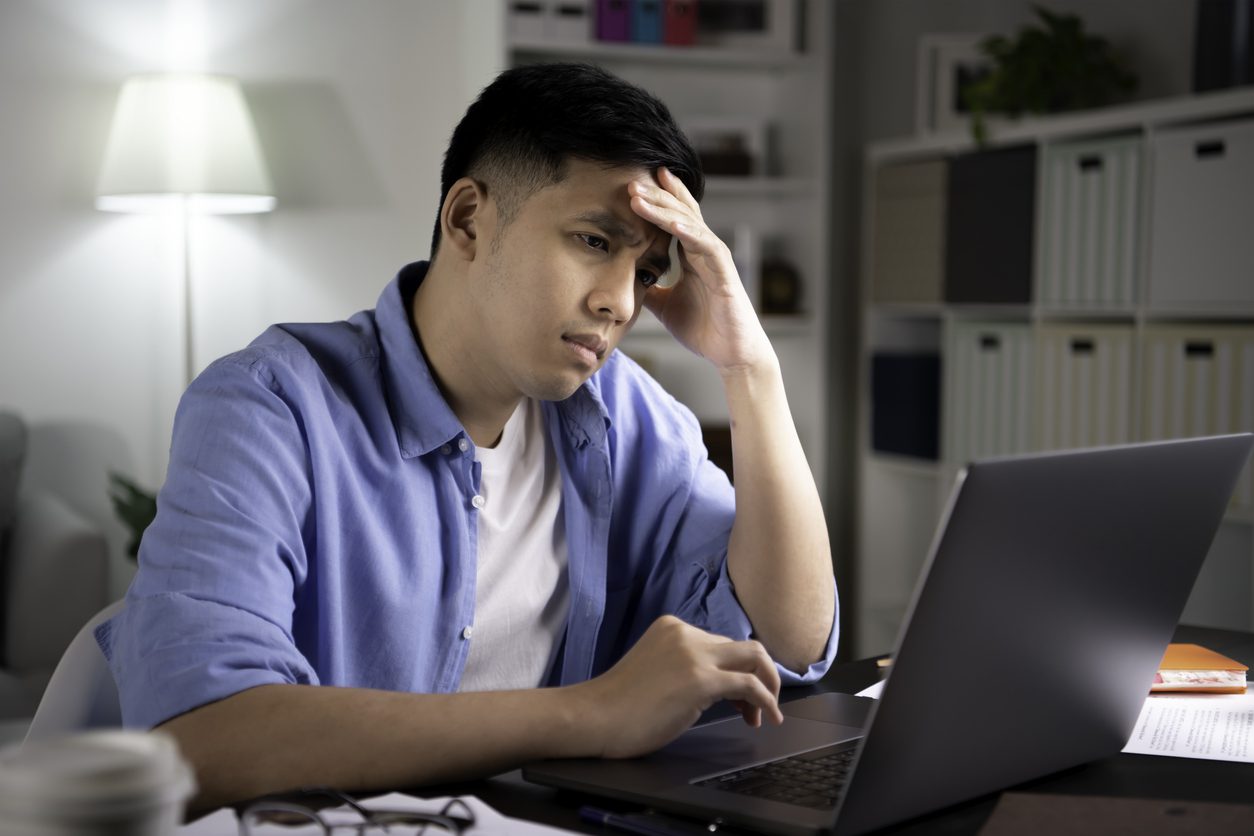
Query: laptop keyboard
(811, 779)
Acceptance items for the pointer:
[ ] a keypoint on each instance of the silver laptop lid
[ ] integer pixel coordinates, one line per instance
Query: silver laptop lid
(1052, 588)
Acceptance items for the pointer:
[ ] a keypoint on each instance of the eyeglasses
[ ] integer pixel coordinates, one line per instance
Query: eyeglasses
(280, 817)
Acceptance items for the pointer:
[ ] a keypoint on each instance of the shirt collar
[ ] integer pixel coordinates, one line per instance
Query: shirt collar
(421, 416)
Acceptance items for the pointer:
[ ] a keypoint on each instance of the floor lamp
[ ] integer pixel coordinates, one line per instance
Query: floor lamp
(183, 143)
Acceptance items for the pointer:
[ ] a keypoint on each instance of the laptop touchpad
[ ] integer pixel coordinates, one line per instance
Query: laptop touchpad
(810, 723)
(841, 709)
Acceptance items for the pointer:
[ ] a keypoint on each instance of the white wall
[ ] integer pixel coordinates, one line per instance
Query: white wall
(354, 103)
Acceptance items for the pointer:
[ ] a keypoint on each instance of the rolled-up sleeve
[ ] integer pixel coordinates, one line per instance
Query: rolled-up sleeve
(209, 613)
(711, 602)
(720, 612)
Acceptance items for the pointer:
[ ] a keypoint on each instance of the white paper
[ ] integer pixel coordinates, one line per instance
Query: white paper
(872, 691)
(1208, 726)
(487, 820)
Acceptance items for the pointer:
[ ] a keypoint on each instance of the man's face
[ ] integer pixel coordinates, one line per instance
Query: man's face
(564, 281)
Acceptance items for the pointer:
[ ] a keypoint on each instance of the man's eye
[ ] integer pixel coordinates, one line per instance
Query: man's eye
(647, 278)
(594, 241)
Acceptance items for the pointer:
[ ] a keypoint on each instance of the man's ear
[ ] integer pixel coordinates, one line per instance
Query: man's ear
(462, 217)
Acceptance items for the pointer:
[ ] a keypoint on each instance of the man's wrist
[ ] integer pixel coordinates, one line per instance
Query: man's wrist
(754, 374)
(579, 733)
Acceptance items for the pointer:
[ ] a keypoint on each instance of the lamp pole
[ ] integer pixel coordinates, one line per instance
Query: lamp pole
(189, 342)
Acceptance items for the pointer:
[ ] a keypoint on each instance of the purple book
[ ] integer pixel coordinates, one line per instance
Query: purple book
(613, 20)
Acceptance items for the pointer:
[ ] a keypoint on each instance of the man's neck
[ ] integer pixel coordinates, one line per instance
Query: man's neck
(442, 324)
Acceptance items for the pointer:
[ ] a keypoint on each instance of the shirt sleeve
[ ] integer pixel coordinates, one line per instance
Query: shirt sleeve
(209, 613)
(711, 602)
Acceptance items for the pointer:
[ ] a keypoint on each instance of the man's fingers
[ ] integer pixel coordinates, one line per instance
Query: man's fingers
(673, 673)
(751, 714)
(748, 657)
(748, 678)
(673, 218)
(676, 187)
(663, 208)
(744, 674)
(672, 214)
(756, 701)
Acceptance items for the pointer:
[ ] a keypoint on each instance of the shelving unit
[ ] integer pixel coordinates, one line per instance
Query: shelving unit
(691, 56)
(1113, 338)
(787, 206)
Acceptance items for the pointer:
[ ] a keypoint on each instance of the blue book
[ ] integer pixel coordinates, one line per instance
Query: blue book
(646, 21)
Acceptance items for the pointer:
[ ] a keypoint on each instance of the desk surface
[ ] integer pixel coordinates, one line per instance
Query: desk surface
(1136, 776)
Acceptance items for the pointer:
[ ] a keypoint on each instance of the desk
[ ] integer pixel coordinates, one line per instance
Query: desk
(1137, 776)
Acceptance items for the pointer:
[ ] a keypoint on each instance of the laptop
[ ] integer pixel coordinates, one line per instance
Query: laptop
(1051, 590)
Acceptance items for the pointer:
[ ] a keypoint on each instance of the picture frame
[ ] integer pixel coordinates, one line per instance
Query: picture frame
(729, 146)
(945, 63)
(769, 25)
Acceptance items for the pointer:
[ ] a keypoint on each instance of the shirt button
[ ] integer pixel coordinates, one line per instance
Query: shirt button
(477, 501)
(446, 449)
(463, 444)
(466, 631)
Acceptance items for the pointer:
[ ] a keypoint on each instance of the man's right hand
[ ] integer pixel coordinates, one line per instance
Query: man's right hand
(672, 674)
(275, 737)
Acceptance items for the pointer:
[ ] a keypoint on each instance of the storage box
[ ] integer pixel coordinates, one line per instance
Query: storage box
(1087, 244)
(905, 404)
(988, 385)
(569, 21)
(526, 20)
(908, 247)
(646, 21)
(1200, 381)
(1084, 385)
(1202, 218)
(989, 226)
(679, 22)
(613, 20)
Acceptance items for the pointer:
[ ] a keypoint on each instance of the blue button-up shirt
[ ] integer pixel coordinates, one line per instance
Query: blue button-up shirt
(316, 524)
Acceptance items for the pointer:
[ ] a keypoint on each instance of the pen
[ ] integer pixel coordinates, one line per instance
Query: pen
(648, 824)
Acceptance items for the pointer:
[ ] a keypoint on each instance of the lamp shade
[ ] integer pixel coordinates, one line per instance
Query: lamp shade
(179, 138)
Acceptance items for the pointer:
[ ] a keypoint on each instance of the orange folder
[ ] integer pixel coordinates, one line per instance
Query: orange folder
(1196, 669)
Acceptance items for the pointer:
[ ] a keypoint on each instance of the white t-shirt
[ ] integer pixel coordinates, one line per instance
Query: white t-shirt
(522, 593)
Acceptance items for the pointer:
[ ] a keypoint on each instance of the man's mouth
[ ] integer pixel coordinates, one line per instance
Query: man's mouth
(591, 347)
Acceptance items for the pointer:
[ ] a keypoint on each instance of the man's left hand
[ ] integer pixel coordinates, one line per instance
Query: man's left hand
(707, 310)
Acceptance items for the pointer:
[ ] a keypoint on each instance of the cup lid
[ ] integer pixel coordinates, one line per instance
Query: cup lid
(94, 770)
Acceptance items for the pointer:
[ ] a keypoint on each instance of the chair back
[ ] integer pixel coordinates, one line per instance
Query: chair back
(82, 693)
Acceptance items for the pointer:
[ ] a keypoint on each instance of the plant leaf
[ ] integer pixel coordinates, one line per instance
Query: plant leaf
(134, 506)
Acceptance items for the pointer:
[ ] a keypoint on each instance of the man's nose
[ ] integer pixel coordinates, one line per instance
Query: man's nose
(615, 293)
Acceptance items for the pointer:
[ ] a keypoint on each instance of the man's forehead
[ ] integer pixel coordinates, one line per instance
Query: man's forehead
(585, 180)
(594, 193)
(580, 169)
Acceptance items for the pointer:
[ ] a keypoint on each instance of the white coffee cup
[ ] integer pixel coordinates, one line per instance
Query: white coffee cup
(94, 783)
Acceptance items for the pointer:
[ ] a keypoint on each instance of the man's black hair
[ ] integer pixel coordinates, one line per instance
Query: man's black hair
(526, 125)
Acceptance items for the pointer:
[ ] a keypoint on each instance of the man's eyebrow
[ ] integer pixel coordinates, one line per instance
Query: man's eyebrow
(610, 224)
(614, 227)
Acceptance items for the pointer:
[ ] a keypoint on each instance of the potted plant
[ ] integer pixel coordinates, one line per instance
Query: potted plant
(1048, 67)
(135, 507)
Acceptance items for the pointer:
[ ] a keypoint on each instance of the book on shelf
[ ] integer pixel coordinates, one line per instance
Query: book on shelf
(1196, 669)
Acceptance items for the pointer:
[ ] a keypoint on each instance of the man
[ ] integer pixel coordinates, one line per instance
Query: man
(441, 505)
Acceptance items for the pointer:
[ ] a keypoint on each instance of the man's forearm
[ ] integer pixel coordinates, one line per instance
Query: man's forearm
(277, 737)
(779, 556)
(274, 738)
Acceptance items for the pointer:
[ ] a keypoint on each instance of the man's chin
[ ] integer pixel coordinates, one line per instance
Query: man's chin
(558, 388)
